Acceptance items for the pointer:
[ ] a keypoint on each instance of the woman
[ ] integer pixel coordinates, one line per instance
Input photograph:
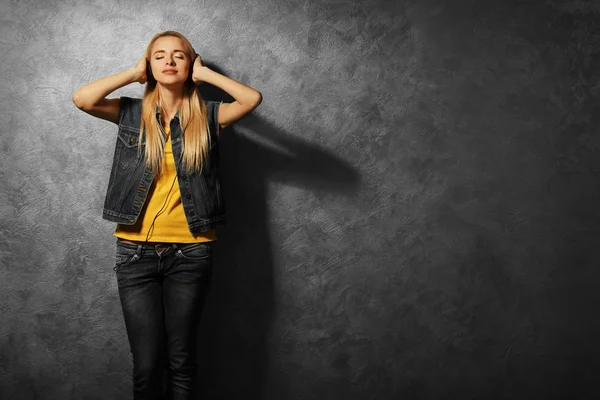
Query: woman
(165, 194)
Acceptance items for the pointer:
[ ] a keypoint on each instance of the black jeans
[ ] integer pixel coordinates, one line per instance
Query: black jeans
(162, 289)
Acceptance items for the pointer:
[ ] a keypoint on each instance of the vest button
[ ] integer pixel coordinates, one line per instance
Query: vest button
(131, 140)
(191, 212)
(188, 196)
(183, 177)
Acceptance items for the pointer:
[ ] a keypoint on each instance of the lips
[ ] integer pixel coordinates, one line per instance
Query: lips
(169, 71)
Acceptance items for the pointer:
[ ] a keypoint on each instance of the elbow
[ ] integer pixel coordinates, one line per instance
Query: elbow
(258, 99)
(80, 101)
(76, 100)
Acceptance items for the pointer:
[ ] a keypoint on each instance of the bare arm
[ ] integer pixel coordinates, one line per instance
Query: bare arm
(91, 98)
(246, 98)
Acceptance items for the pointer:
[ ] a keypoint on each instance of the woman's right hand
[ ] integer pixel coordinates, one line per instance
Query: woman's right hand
(140, 71)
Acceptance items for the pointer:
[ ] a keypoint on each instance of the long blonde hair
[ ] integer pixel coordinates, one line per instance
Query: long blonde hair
(192, 115)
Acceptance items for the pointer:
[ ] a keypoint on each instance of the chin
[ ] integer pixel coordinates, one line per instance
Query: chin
(168, 82)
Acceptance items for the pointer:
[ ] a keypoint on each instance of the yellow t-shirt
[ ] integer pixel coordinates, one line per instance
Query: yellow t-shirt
(170, 224)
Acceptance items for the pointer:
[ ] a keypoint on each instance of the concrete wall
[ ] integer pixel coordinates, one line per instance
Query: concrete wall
(412, 209)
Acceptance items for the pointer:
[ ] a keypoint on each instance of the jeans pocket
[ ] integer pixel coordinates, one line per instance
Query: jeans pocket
(194, 251)
(126, 254)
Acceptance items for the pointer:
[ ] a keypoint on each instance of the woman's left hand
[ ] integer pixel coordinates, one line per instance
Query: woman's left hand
(198, 70)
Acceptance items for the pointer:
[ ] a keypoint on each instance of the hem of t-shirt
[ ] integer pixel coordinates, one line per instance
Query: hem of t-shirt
(169, 239)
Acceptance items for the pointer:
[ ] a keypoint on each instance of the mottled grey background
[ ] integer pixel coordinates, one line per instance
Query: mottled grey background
(413, 209)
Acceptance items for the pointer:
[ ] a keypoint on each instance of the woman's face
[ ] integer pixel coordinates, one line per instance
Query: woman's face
(170, 65)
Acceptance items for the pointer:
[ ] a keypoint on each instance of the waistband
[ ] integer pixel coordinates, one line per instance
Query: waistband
(159, 246)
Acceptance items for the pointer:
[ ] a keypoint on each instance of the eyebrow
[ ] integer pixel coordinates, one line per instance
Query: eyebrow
(162, 51)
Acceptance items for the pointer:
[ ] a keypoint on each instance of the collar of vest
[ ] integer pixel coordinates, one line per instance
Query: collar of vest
(157, 112)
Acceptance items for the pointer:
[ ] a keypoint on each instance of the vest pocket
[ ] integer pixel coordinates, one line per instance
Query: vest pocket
(128, 153)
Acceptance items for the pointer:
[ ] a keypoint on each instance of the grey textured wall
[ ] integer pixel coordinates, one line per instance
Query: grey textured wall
(412, 209)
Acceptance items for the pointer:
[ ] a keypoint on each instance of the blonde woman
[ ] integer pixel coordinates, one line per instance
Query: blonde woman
(164, 193)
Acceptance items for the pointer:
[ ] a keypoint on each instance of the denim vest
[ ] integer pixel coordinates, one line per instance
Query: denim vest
(129, 182)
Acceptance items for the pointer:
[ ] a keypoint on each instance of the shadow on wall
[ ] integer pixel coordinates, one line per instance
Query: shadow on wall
(236, 321)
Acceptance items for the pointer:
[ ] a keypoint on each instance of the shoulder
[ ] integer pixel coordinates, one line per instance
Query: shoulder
(212, 109)
(212, 105)
(212, 112)
(130, 111)
(130, 101)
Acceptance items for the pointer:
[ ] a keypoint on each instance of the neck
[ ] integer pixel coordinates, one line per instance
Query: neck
(170, 99)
